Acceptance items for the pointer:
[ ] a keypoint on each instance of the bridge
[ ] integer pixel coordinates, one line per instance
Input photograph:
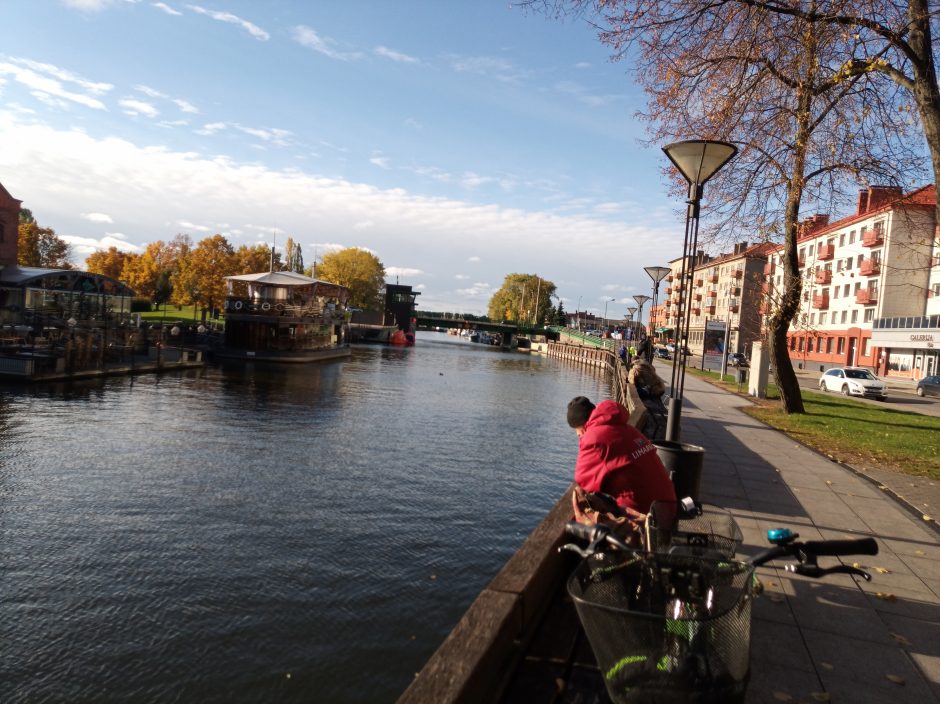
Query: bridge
(506, 330)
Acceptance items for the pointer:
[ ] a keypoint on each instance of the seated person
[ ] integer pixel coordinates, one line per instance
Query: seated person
(644, 376)
(615, 458)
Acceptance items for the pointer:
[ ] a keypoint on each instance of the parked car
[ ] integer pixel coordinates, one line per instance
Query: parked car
(662, 353)
(737, 359)
(852, 381)
(929, 386)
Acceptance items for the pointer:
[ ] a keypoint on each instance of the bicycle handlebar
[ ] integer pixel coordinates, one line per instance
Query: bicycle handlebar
(595, 535)
(862, 546)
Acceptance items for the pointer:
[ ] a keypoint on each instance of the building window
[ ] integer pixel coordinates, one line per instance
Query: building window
(858, 285)
(812, 318)
(823, 316)
(936, 289)
(799, 346)
(848, 264)
(828, 345)
(835, 292)
(792, 343)
(845, 290)
(842, 317)
(811, 250)
(839, 265)
(809, 344)
(866, 346)
(858, 262)
(841, 349)
(869, 315)
(852, 237)
(854, 315)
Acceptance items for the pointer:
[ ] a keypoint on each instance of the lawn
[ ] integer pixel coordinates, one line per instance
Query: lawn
(857, 433)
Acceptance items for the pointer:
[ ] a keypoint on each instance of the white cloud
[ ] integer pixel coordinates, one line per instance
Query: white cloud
(93, 5)
(97, 217)
(308, 37)
(393, 55)
(138, 107)
(476, 290)
(461, 277)
(582, 95)
(229, 18)
(192, 227)
(270, 134)
(83, 246)
(420, 287)
(166, 8)
(402, 271)
(490, 66)
(413, 124)
(49, 87)
(473, 259)
(380, 161)
(184, 105)
(211, 128)
(364, 225)
(472, 180)
(582, 65)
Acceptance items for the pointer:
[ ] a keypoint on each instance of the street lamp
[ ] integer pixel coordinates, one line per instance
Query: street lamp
(657, 274)
(697, 161)
(578, 314)
(606, 301)
(631, 311)
(641, 300)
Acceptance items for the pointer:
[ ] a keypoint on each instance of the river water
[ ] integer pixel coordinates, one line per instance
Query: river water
(268, 534)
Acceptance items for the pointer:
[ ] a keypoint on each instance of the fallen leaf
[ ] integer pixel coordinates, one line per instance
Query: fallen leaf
(433, 576)
(821, 696)
(927, 518)
(919, 552)
(896, 679)
(901, 640)
(886, 597)
(828, 482)
(856, 565)
(782, 697)
(882, 570)
(827, 666)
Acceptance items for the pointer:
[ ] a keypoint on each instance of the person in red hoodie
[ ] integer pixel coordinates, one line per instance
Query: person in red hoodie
(615, 458)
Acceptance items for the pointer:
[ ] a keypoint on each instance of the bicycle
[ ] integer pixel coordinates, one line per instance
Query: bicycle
(674, 625)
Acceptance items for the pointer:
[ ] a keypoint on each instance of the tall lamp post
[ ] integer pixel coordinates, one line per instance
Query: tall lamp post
(631, 311)
(697, 161)
(657, 274)
(606, 301)
(641, 300)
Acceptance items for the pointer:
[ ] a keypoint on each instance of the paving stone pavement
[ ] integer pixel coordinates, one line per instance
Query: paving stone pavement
(838, 639)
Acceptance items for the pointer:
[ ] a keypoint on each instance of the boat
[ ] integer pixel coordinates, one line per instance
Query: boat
(283, 316)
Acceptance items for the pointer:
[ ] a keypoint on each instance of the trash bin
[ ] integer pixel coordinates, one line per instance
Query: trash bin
(684, 464)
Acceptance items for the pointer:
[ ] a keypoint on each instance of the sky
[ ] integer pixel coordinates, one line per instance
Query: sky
(457, 140)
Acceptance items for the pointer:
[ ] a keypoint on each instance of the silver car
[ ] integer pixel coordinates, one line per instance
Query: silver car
(852, 381)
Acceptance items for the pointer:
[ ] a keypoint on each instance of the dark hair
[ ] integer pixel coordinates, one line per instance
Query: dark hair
(579, 410)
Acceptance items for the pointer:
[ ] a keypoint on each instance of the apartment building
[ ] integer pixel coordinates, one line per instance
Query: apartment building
(726, 288)
(870, 287)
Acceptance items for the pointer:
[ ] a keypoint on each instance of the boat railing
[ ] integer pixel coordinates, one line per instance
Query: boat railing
(253, 306)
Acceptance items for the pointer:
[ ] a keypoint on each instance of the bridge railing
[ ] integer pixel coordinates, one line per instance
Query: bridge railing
(573, 337)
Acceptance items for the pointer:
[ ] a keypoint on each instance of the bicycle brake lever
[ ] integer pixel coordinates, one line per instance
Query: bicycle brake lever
(816, 571)
(574, 548)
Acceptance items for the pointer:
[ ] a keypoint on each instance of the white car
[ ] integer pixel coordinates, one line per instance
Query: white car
(852, 381)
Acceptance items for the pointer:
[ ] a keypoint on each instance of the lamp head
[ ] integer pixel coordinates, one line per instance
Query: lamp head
(699, 160)
(657, 273)
(641, 300)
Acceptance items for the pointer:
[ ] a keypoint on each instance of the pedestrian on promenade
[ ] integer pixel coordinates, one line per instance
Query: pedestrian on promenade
(615, 458)
(622, 353)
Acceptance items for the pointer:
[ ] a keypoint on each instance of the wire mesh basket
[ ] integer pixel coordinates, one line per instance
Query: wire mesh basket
(667, 627)
(705, 531)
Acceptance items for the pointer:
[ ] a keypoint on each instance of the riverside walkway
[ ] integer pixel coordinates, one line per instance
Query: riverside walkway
(852, 640)
(837, 639)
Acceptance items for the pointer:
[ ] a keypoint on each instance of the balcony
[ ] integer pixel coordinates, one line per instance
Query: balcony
(733, 309)
(821, 302)
(769, 269)
(801, 262)
(696, 311)
(873, 238)
(825, 252)
(737, 273)
(866, 297)
(697, 296)
(824, 276)
(669, 278)
(668, 290)
(709, 310)
(699, 281)
(765, 288)
(870, 267)
(713, 279)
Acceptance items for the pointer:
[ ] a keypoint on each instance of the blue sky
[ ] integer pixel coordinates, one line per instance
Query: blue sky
(458, 140)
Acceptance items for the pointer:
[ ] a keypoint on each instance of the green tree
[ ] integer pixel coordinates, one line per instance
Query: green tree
(560, 315)
(523, 298)
(360, 271)
(40, 246)
(294, 257)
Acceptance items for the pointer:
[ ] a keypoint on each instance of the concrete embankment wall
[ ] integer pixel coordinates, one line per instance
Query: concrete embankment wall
(475, 661)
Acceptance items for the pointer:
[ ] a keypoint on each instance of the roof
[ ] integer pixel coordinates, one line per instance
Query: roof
(22, 274)
(280, 278)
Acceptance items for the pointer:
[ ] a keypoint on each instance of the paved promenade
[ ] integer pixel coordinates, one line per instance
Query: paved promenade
(839, 639)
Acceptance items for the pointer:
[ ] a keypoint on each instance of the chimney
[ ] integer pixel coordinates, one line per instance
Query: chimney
(813, 223)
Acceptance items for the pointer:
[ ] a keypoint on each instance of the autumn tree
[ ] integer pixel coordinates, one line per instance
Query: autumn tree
(108, 262)
(255, 259)
(40, 246)
(357, 269)
(775, 86)
(523, 298)
(200, 278)
(159, 260)
(294, 258)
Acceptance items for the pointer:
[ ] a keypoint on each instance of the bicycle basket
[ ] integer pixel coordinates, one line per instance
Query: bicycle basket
(707, 531)
(667, 627)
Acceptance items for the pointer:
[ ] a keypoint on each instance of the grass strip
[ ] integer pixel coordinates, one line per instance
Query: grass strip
(854, 432)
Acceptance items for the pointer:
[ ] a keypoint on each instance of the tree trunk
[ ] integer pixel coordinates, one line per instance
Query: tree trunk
(926, 91)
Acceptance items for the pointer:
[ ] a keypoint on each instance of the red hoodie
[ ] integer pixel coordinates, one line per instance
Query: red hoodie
(616, 458)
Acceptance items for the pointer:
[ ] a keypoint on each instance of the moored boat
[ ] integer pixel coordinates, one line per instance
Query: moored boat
(282, 316)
